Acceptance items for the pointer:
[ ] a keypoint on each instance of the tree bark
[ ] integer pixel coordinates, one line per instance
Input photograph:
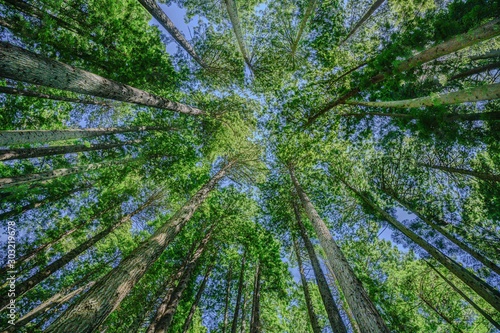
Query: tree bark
(363, 19)
(22, 153)
(478, 256)
(311, 5)
(20, 137)
(234, 325)
(485, 116)
(465, 297)
(456, 43)
(22, 65)
(326, 295)
(439, 313)
(106, 295)
(310, 309)
(243, 313)
(480, 175)
(491, 54)
(27, 93)
(227, 298)
(194, 306)
(367, 316)
(476, 70)
(232, 12)
(152, 7)
(488, 293)
(481, 93)
(255, 323)
(53, 267)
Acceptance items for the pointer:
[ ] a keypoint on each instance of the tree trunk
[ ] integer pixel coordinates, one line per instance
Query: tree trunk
(47, 175)
(310, 309)
(21, 137)
(475, 70)
(152, 7)
(106, 295)
(439, 313)
(465, 297)
(311, 5)
(243, 313)
(165, 314)
(456, 43)
(367, 316)
(197, 298)
(480, 175)
(488, 293)
(491, 54)
(326, 295)
(485, 116)
(15, 91)
(227, 298)
(365, 17)
(481, 93)
(255, 324)
(234, 325)
(22, 65)
(478, 256)
(232, 12)
(50, 269)
(22, 153)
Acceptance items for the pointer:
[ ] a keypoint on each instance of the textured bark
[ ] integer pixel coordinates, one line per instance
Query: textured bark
(152, 7)
(53, 267)
(367, 316)
(326, 295)
(106, 295)
(307, 295)
(456, 43)
(488, 293)
(22, 65)
(165, 314)
(48, 175)
(197, 298)
(480, 175)
(255, 323)
(229, 278)
(478, 256)
(476, 70)
(235, 22)
(481, 93)
(27, 93)
(363, 19)
(234, 325)
(21, 137)
(243, 313)
(22, 153)
(466, 298)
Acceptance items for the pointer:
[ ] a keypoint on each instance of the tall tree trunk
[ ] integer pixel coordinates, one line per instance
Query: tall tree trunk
(47, 271)
(367, 316)
(311, 5)
(481, 93)
(439, 313)
(47, 175)
(243, 313)
(229, 277)
(15, 91)
(106, 295)
(480, 175)
(365, 17)
(255, 324)
(456, 43)
(478, 256)
(197, 298)
(491, 54)
(485, 116)
(465, 297)
(20, 137)
(165, 315)
(22, 153)
(152, 7)
(488, 293)
(476, 70)
(310, 309)
(326, 295)
(22, 65)
(241, 279)
(232, 12)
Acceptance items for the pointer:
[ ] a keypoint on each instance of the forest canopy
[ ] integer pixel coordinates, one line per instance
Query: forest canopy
(292, 166)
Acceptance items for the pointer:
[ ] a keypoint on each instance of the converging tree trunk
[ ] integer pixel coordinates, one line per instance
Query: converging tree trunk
(326, 294)
(255, 323)
(197, 298)
(227, 297)
(307, 295)
(311, 6)
(22, 65)
(235, 22)
(480, 175)
(488, 293)
(476, 70)
(367, 316)
(363, 19)
(481, 93)
(106, 295)
(234, 325)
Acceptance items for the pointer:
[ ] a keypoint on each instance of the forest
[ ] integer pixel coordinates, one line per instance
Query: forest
(258, 166)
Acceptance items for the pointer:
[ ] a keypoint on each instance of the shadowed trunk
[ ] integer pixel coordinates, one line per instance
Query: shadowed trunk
(255, 323)
(363, 19)
(475, 70)
(480, 175)
(227, 298)
(235, 22)
(439, 313)
(234, 325)
(194, 306)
